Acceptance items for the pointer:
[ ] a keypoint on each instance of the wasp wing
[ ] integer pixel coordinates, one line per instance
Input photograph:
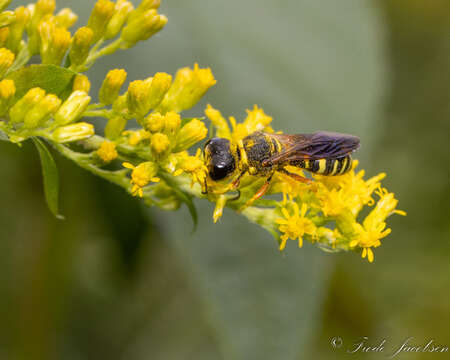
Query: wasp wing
(314, 146)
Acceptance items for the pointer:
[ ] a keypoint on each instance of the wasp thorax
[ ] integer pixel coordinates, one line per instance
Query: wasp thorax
(219, 158)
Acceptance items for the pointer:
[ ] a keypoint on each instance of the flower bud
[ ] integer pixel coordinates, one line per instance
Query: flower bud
(120, 104)
(7, 92)
(6, 18)
(143, 26)
(38, 11)
(160, 145)
(187, 89)
(190, 134)
(17, 28)
(144, 6)
(137, 136)
(20, 108)
(111, 86)
(107, 151)
(4, 35)
(160, 84)
(72, 108)
(6, 60)
(40, 112)
(154, 122)
(172, 123)
(4, 4)
(138, 97)
(73, 132)
(65, 18)
(115, 126)
(81, 83)
(54, 43)
(100, 16)
(82, 41)
(122, 11)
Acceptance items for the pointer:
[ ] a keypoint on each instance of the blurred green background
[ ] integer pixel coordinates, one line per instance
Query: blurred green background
(117, 280)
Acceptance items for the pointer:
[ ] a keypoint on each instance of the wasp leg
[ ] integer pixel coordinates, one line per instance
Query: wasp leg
(204, 187)
(233, 185)
(262, 190)
(296, 176)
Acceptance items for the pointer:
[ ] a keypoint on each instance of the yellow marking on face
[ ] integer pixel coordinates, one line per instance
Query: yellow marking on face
(322, 166)
(252, 170)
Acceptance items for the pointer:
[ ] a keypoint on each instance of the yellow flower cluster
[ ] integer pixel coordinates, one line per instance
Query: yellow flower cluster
(48, 100)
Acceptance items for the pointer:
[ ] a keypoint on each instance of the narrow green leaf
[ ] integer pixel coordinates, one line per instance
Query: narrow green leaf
(53, 79)
(50, 177)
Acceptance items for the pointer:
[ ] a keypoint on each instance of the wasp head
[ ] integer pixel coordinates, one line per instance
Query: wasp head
(219, 158)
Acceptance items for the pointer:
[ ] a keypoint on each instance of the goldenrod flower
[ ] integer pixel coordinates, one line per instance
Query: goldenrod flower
(187, 89)
(172, 123)
(218, 209)
(141, 176)
(17, 28)
(107, 151)
(295, 226)
(82, 41)
(40, 112)
(256, 120)
(219, 122)
(65, 18)
(6, 60)
(73, 132)
(194, 166)
(42, 9)
(72, 108)
(54, 42)
(4, 35)
(20, 108)
(142, 25)
(6, 18)
(154, 122)
(115, 126)
(4, 4)
(137, 136)
(122, 10)
(138, 98)
(160, 145)
(190, 134)
(81, 83)
(100, 16)
(111, 86)
(160, 84)
(7, 92)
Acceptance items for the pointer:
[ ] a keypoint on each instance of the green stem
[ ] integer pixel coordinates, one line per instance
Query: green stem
(107, 50)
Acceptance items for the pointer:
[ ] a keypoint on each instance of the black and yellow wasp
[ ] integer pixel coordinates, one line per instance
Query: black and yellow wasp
(262, 154)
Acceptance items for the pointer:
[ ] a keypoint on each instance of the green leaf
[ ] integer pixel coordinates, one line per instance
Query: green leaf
(53, 79)
(50, 177)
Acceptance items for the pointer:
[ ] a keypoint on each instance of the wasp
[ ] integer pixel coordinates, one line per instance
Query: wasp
(262, 154)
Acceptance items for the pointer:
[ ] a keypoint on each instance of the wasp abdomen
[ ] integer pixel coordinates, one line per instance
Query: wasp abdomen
(324, 166)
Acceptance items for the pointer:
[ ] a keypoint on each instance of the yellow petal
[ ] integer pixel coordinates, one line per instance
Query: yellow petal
(370, 255)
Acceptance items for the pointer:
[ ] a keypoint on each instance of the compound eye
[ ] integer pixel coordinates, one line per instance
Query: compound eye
(219, 171)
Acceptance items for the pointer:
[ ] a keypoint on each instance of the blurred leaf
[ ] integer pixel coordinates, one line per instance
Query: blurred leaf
(50, 177)
(3, 136)
(53, 79)
(306, 64)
